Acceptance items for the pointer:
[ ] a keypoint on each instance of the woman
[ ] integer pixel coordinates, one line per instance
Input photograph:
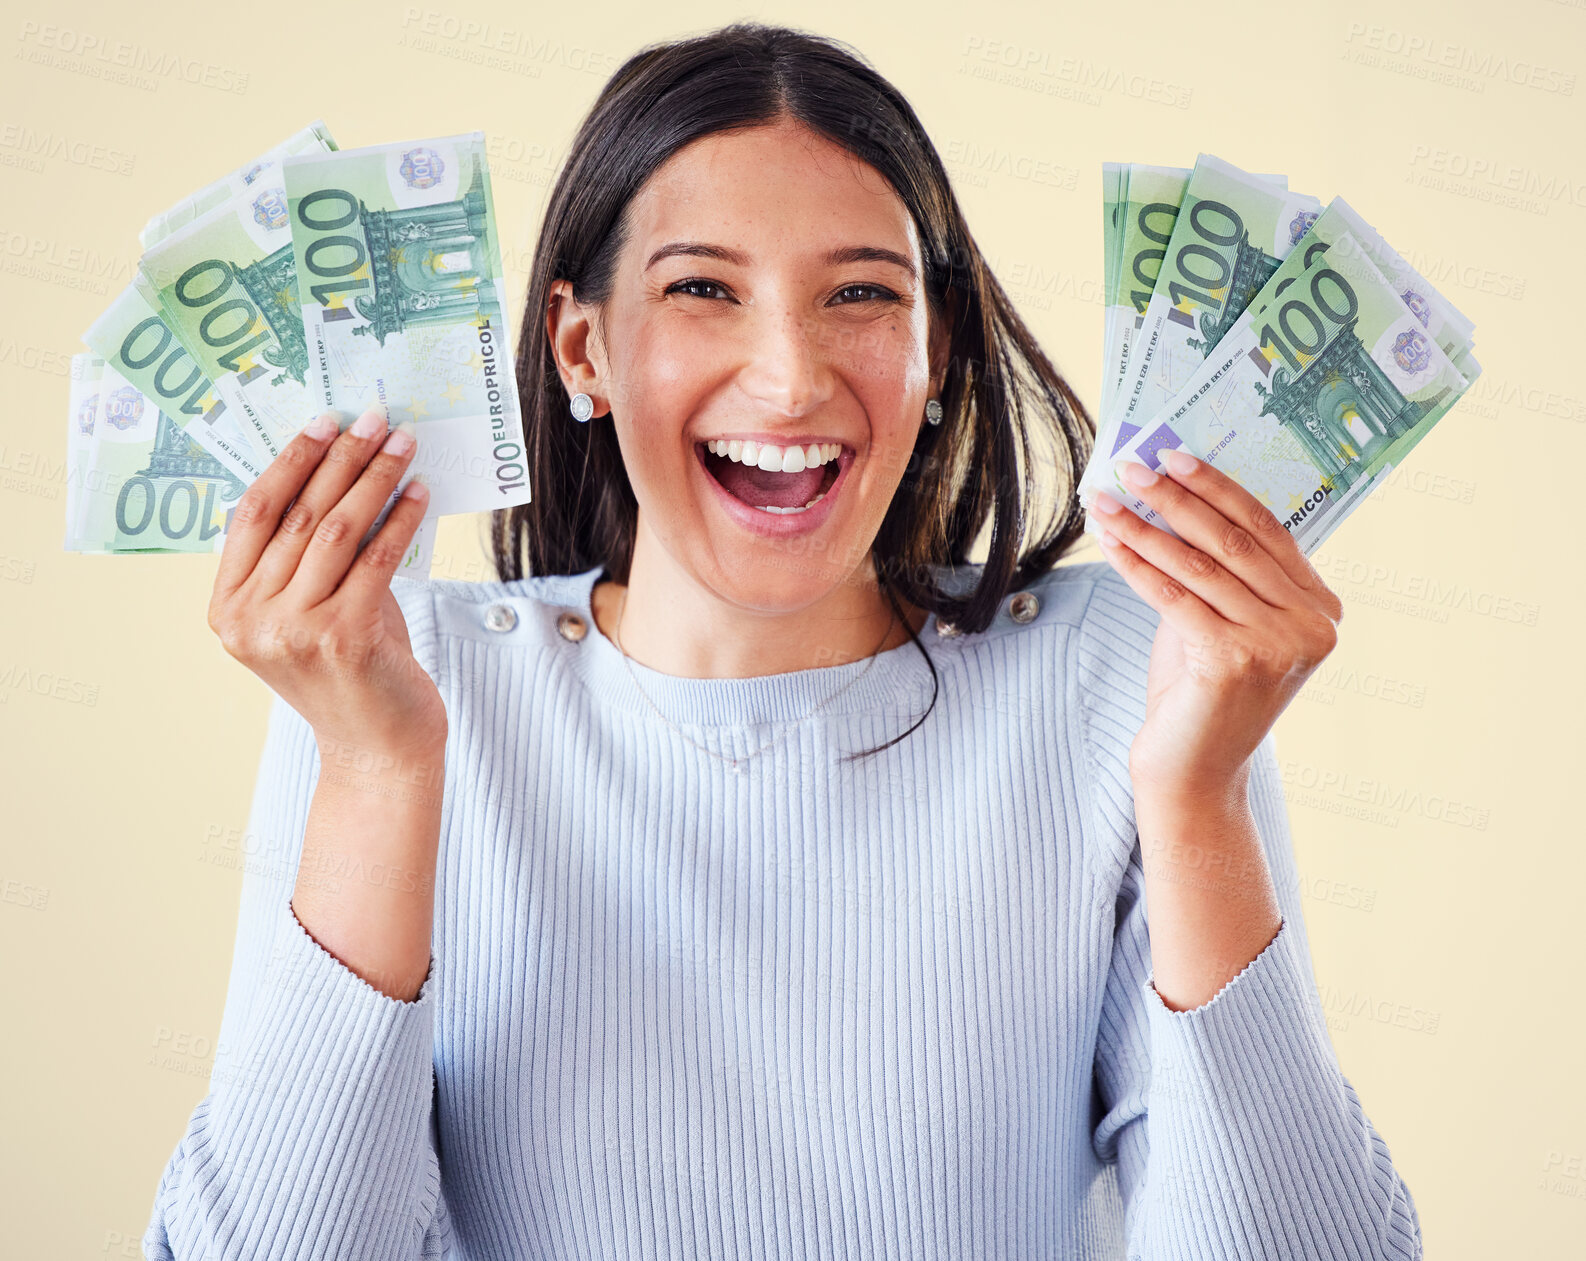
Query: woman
(760, 877)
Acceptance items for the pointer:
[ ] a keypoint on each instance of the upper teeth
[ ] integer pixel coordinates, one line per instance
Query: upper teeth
(775, 459)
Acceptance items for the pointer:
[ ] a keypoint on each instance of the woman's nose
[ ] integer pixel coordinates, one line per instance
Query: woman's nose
(787, 362)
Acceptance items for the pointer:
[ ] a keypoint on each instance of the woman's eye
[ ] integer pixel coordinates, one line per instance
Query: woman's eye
(683, 285)
(884, 294)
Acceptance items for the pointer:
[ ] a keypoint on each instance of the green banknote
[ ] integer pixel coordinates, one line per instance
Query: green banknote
(314, 138)
(1322, 384)
(1232, 230)
(83, 402)
(1139, 225)
(149, 486)
(226, 285)
(1112, 194)
(1469, 369)
(227, 433)
(1140, 208)
(1449, 327)
(1467, 365)
(399, 274)
(134, 337)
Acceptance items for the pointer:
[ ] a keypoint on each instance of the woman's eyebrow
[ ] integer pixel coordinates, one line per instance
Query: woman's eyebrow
(725, 254)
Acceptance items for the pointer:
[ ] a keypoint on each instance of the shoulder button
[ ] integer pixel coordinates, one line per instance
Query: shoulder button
(947, 630)
(500, 617)
(1024, 606)
(571, 627)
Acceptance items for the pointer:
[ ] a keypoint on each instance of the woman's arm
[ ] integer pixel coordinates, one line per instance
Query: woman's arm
(1257, 1144)
(316, 1138)
(1235, 1131)
(1213, 906)
(376, 820)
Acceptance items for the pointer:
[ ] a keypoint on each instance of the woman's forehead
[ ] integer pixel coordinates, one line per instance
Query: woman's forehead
(768, 189)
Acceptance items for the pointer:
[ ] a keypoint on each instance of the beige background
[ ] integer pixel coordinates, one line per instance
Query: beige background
(1431, 764)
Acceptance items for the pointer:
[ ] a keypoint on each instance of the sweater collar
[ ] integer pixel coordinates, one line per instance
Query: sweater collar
(898, 679)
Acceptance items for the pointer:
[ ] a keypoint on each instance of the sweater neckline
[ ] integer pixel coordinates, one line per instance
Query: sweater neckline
(891, 679)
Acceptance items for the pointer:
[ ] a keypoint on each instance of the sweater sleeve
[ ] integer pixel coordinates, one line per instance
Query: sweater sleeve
(1235, 1131)
(317, 1137)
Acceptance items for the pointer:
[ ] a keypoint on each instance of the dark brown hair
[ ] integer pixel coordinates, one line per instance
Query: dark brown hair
(1006, 409)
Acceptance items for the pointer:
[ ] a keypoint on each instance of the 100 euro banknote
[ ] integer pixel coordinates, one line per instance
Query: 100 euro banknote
(143, 483)
(219, 276)
(88, 370)
(1326, 380)
(1140, 205)
(311, 139)
(1231, 231)
(399, 276)
(1138, 227)
(225, 285)
(134, 337)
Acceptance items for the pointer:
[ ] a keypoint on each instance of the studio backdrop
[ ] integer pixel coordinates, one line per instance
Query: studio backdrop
(1431, 766)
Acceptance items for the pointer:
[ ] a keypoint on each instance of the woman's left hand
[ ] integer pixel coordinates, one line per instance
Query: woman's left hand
(1245, 620)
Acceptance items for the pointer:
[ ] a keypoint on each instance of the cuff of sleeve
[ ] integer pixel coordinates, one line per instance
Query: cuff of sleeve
(1256, 1050)
(1255, 967)
(1255, 1133)
(322, 1043)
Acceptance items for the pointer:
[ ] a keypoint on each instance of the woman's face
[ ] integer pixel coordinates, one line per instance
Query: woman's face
(767, 344)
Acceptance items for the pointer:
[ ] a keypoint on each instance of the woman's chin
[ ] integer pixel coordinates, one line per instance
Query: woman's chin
(777, 575)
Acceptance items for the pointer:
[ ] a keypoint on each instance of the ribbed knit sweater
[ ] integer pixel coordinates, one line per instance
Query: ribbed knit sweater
(900, 1007)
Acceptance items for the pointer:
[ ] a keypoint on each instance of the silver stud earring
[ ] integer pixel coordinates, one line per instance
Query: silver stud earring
(933, 411)
(583, 407)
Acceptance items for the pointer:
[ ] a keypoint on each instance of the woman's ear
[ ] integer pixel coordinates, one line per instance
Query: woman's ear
(575, 344)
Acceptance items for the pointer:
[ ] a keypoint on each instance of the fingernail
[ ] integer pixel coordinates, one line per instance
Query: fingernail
(1178, 461)
(416, 491)
(369, 424)
(401, 440)
(1135, 473)
(322, 426)
(1106, 503)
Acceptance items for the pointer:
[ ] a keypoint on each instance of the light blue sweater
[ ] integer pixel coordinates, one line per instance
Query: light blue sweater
(897, 1008)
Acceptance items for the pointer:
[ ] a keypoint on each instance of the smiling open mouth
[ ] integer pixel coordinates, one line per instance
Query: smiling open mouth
(773, 479)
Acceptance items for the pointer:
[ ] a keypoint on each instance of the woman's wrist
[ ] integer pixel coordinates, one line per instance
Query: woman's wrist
(414, 773)
(365, 888)
(1213, 905)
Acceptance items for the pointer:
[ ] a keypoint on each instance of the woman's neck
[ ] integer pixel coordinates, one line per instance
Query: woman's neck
(671, 623)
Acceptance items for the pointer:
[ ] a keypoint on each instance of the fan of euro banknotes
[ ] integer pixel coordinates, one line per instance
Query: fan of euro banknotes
(1284, 342)
(312, 279)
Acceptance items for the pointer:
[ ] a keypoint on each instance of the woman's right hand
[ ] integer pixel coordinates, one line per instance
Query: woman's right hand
(298, 604)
